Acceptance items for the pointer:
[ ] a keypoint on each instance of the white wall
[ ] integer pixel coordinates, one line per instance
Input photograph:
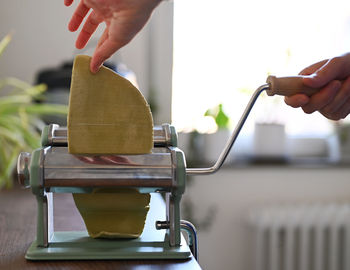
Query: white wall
(40, 36)
(41, 40)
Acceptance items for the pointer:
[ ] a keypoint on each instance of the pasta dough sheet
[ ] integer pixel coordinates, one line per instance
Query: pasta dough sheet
(113, 213)
(108, 115)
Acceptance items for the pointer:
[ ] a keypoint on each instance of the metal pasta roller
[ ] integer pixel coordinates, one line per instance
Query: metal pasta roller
(51, 169)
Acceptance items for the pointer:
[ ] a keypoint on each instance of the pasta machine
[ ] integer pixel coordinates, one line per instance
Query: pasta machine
(51, 169)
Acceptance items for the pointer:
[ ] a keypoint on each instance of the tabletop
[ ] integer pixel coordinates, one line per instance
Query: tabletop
(18, 227)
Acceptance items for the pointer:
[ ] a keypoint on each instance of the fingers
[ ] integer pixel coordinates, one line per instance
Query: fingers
(68, 2)
(325, 74)
(343, 112)
(88, 29)
(102, 53)
(333, 69)
(340, 99)
(325, 96)
(333, 100)
(297, 101)
(311, 69)
(339, 107)
(301, 100)
(78, 16)
(340, 114)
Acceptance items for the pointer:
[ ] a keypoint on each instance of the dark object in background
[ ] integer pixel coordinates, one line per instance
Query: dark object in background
(58, 78)
(58, 81)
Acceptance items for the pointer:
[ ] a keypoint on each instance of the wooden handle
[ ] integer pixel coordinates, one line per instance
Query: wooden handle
(288, 86)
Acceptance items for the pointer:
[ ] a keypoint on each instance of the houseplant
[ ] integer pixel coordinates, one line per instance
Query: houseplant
(221, 119)
(215, 142)
(20, 122)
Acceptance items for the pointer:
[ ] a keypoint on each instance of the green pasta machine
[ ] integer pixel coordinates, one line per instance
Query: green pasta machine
(51, 169)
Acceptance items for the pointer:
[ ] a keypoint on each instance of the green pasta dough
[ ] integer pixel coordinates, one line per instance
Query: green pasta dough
(113, 213)
(108, 115)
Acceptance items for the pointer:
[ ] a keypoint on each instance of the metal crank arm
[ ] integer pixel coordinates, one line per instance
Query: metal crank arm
(232, 139)
(283, 86)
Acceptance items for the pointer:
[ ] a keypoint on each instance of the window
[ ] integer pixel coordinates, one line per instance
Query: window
(224, 50)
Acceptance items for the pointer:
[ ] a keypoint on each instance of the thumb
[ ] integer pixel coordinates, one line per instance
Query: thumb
(326, 73)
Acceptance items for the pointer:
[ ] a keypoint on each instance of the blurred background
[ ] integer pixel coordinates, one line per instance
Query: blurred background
(282, 200)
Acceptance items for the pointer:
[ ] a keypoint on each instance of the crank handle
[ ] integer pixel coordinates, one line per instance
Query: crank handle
(232, 139)
(283, 86)
(288, 86)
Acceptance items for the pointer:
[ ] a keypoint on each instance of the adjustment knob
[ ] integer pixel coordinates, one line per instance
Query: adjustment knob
(23, 169)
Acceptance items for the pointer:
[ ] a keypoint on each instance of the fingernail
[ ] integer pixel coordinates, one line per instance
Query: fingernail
(95, 69)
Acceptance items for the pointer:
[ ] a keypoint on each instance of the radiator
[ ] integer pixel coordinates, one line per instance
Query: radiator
(302, 237)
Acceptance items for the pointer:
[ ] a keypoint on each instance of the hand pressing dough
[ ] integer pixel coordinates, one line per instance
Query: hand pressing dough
(107, 114)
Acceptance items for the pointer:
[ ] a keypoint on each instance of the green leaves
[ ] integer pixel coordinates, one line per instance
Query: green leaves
(221, 119)
(20, 121)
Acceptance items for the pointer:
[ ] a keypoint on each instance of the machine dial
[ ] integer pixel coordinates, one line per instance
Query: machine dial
(23, 168)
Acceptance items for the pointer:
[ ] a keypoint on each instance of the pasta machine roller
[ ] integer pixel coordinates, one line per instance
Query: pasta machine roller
(51, 169)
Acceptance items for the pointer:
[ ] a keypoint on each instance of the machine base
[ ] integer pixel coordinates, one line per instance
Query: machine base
(79, 246)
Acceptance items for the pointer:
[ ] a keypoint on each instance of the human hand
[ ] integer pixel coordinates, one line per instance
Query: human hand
(333, 77)
(123, 19)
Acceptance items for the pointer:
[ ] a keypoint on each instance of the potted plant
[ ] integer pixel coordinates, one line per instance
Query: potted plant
(215, 142)
(20, 122)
